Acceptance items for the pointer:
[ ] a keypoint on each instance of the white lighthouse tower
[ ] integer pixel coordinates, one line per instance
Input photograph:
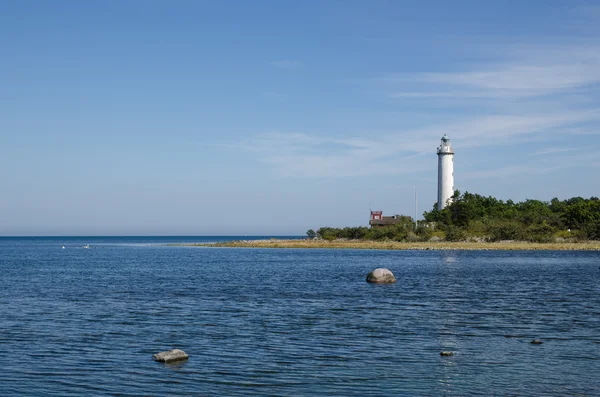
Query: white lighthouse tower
(445, 172)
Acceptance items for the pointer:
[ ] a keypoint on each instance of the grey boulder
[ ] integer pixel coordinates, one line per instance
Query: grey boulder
(381, 275)
(170, 356)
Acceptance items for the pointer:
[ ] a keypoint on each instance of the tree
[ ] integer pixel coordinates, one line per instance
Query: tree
(471, 214)
(311, 234)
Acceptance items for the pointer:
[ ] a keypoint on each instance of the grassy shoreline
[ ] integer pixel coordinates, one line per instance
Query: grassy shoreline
(393, 245)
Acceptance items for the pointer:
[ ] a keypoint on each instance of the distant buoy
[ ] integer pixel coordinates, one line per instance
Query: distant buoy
(63, 247)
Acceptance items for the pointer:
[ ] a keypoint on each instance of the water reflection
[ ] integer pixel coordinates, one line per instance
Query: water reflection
(176, 365)
(448, 282)
(449, 256)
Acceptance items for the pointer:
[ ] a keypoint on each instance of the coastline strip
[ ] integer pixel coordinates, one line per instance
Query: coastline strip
(394, 245)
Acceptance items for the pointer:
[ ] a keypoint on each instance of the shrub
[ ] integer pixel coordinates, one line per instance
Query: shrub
(589, 232)
(454, 233)
(413, 238)
(328, 236)
(505, 231)
(541, 233)
(383, 233)
(424, 232)
(565, 234)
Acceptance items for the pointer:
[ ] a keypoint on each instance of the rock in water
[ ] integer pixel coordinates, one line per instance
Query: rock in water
(381, 275)
(170, 355)
(446, 354)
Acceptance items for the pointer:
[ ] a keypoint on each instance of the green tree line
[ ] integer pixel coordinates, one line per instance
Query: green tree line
(531, 220)
(474, 216)
(404, 231)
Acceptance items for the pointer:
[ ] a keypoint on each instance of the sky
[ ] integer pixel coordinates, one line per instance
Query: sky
(273, 117)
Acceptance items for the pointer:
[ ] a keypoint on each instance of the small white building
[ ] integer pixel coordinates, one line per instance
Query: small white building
(445, 173)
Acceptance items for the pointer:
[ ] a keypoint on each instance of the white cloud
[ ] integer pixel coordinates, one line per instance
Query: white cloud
(304, 155)
(523, 79)
(582, 131)
(537, 90)
(537, 73)
(552, 150)
(507, 171)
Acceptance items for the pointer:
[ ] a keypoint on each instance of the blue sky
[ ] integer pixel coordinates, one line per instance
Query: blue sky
(272, 117)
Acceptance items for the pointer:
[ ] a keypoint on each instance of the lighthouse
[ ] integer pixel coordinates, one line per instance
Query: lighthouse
(445, 172)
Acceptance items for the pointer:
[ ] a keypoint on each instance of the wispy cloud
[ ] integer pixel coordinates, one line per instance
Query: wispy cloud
(287, 64)
(539, 73)
(552, 150)
(583, 131)
(507, 171)
(303, 155)
(401, 152)
(535, 91)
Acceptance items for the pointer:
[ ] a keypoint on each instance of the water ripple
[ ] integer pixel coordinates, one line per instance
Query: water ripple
(293, 322)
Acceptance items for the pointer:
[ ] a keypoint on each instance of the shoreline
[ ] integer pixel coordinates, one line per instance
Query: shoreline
(403, 246)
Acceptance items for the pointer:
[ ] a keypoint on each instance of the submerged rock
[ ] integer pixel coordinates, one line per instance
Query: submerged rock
(536, 342)
(446, 354)
(381, 275)
(170, 356)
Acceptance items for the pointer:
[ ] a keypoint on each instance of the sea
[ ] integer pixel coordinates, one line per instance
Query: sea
(78, 321)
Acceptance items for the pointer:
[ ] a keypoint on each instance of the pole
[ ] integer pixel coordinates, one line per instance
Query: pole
(415, 208)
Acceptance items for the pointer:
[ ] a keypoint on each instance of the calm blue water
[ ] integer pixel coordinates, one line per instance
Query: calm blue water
(259, 322)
